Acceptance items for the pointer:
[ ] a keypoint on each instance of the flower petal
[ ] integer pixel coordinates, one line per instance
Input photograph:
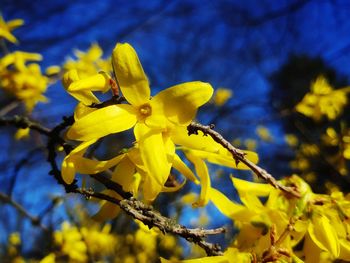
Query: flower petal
(153, 154)
(68, 167)
(108, 210)
(324, 235)
(202, 172)
(151, 188)
(124, 175)
(130, 75)
(180, 102)
(99, 123)
(179, 165)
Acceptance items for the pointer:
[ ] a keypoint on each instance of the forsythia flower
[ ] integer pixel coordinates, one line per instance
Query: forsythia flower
(264, 133)
(221, 96)
(291, 140)
(25, 81)
(153, 119)
(7, 27)
(322, 100)
(88, 63)
(76, 243)
(277, 227)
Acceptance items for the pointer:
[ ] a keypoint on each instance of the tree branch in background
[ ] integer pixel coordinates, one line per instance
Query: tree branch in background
(34, 220)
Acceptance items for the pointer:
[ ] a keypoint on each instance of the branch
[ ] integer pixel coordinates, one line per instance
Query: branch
(34, 220)
(24, 122)
(152, 218)
(239, 156)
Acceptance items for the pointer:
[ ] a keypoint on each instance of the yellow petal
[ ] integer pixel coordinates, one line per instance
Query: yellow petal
(124, 175)
(179, 165)
(202, 172)
(12, 24)
(151, 188)
(108, 210)
(99, 123)
(81, 110)
(68, 171)
(180, 102)
(154, 158)
(130, 75)
(344, 249)
(257, 189)
(229, 208)
(69, 77)
(324, 235)
(82, 89)
(68, 167)
(87, 166)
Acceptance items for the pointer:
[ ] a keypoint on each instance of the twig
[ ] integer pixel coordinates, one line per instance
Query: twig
(24, 122)
(9, 107)
(34, 220)
(152, 218)
(239, 156)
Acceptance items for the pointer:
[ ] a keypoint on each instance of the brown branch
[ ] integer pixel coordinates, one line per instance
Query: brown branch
(147, 215)
(239, 156)
(33, 219)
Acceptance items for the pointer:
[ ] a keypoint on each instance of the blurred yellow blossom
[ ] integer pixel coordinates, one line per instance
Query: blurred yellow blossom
(323, 100)
(78, 243)
(291, 140)
(251, 144)
(264, 133)
(88, 63)
(221, 96)
(7, 27)
(24, 81)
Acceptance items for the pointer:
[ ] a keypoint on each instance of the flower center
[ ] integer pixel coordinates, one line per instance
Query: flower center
(145, 110)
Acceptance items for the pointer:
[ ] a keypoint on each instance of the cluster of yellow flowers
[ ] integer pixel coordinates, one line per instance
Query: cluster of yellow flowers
(20, 74)
(323, 100)
(89, 62)
(160, 120)
(75, 244)
(24, 81)
(313, 228)
(86, 244)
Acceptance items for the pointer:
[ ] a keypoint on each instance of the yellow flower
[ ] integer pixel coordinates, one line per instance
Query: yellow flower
(264, 133)
(291, 140)
(81, 88)
(88, 63)
(7, 27)
(153, 118)
(323, 100)
(221, 96)
(26, 82)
